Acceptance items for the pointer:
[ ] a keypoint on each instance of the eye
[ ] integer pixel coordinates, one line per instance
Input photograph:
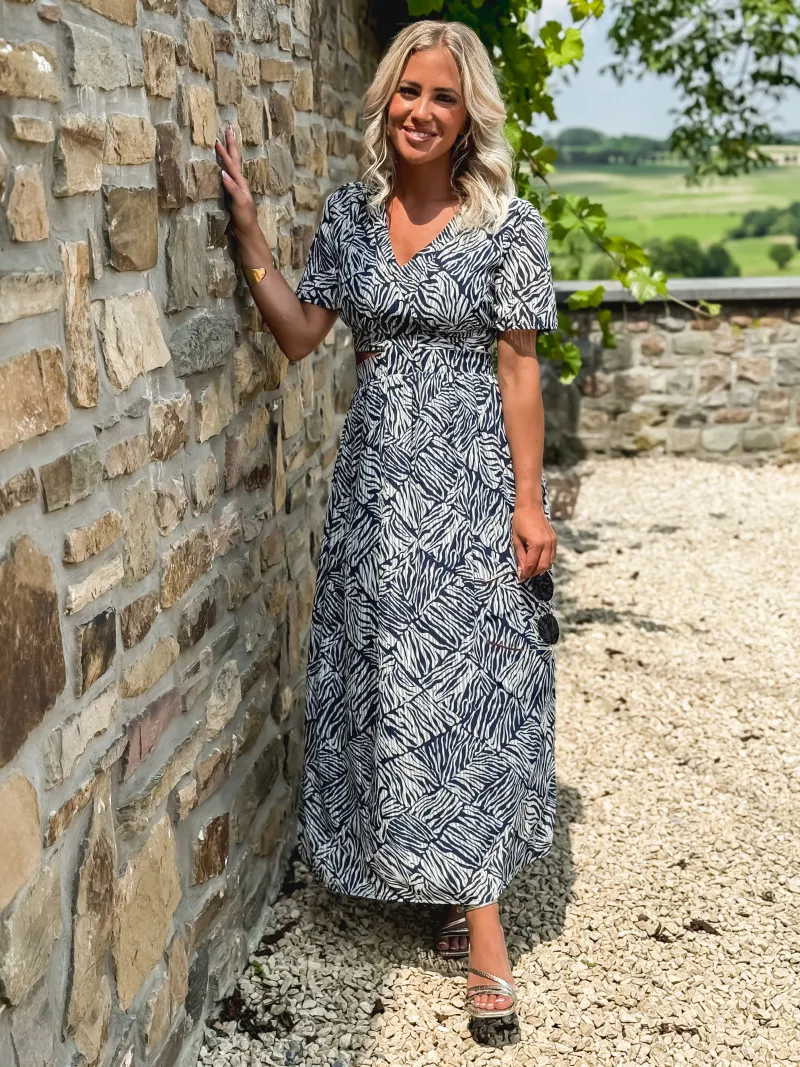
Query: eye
(404, 90)
(447, 99)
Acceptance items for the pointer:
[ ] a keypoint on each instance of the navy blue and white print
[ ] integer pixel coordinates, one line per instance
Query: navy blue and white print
(429, 769)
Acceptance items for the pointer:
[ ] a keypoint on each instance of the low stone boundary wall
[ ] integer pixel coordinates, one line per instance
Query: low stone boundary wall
(721, 388)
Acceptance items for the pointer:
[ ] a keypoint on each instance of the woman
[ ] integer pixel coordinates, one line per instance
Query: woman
(429, 771)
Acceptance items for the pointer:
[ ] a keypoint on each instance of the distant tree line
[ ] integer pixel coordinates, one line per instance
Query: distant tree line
(769, 221)
(582, 145)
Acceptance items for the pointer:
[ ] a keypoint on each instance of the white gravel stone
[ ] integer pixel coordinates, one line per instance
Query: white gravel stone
(664, 926)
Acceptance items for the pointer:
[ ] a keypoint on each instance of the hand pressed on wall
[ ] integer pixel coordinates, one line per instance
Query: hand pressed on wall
(243, 208)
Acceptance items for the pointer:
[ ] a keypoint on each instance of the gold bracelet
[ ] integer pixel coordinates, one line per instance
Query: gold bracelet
(254, 275)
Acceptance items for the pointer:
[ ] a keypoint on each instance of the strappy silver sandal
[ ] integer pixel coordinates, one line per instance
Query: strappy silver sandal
(455, 928)
(499, 988)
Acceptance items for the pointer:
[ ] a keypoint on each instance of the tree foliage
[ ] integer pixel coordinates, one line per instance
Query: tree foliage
(700, 44)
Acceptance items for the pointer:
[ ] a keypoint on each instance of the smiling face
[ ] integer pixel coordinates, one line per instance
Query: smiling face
(426, 112)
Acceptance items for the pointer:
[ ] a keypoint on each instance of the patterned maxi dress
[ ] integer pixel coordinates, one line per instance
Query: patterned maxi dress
(429, 768)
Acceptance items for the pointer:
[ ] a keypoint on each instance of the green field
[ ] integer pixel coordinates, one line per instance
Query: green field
(644, 202)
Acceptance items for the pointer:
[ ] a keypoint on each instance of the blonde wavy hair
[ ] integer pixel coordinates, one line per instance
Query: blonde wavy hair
(481, 158)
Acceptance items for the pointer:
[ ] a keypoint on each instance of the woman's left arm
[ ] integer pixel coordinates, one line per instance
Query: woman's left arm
(523, 416)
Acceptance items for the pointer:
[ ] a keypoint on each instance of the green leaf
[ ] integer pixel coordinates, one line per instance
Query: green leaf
(562, 46)
(571, 356)
(712, 309)
(586, 298)
(644, 284)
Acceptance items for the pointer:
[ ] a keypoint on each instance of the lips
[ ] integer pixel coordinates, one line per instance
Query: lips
(418, 136)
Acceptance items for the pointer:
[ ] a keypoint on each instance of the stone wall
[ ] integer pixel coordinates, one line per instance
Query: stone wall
(721, 388)
(163, 476)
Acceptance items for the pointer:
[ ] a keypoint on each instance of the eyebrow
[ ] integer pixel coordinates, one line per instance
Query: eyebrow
(437, 89)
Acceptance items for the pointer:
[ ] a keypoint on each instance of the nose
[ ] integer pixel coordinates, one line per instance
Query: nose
(422, 108)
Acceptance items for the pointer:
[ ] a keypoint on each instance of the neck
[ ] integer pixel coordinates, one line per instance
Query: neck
(423, 183)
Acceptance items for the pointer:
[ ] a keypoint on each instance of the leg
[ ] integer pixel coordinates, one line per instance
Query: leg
(452, 938)
(488, 953)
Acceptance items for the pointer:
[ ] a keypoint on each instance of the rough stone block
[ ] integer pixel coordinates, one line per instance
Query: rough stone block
(224, 699)
(96, 645)
(256, 787)
(229, 85)
(95, 60)
(71, 477)
(29, 70)
(127, 457)
(81, 360)
(145, 731)
(271, 175)
(33, 395)
(204, 342)
(32, 130)
(131, 338)
(303, 89)
(249, 68)
(198, 617)
(132, 216)
(65, 745)
(277, 70)
(200, 113)
(160, 72)
(720, 438)
(17, 491)
(788, 368)
(28, 932)
(217, 228)
(60, 820)
(89, 1004)
(20, 844)
(78, 158)
(145, 901)
(186, 253)
(129, 141)
(145, 672)
(200, 39)
(141, 538)
(203, 181)
(136, 620)
(169, 426)
(171, 505)
(281, 118)
(760, 439)
(86, 541)
(32, 293)
(183, 564)
(247, 451)
(213, 408)
(221, 277)
(32, 1031)
(170, 171)
(222, 8)
(92, 588)
(122, 11)
(210, 852)
(26, 208)
(251, 119)
(205, 483)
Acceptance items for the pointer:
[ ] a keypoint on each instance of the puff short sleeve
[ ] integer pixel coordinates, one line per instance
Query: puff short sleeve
(523, 286)
(319, 283)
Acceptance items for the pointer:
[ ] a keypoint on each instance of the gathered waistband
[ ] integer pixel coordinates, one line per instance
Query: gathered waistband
(415, 355)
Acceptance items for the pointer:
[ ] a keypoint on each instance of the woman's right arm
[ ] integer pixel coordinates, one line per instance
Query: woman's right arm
(298, 327)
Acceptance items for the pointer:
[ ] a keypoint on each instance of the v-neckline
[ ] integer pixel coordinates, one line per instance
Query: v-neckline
(384, 228)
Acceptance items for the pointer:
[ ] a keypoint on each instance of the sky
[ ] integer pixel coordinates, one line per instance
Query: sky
(637, 107)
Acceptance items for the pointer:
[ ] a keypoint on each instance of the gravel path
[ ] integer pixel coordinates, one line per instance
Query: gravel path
(664, 927)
